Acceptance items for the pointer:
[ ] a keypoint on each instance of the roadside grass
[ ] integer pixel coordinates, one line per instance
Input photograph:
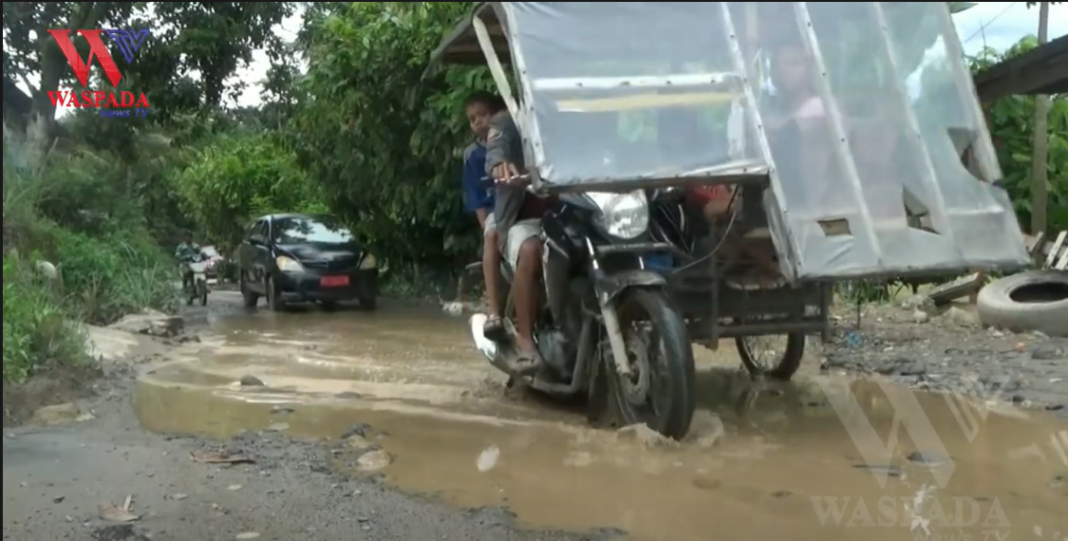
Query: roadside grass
(38, 332)
(68, 210)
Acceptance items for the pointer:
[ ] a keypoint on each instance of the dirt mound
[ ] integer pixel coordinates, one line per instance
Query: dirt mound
(56, 386)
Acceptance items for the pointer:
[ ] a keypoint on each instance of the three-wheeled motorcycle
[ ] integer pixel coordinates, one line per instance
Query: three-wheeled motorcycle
(846, 135)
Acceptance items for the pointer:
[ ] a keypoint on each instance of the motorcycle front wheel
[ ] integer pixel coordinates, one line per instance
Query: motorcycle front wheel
(660, 391)
(202, 288)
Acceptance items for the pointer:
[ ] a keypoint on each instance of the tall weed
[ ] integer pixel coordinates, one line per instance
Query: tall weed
(75, 210)
(37, 330)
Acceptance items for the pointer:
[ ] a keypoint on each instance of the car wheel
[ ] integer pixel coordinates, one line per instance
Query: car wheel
(274, 297)
(369, 303)
(1028, 301)
(329, 305)
(250, 298)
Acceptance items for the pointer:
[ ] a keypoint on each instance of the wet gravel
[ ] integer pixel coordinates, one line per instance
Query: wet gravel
(948, 351)
(290, 489)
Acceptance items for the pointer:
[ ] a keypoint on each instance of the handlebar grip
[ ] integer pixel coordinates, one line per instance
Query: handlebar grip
(525, 177)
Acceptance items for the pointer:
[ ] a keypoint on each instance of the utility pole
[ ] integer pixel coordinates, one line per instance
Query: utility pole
(1040, 142)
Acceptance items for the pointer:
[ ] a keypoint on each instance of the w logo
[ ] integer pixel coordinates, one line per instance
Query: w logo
(128, 41)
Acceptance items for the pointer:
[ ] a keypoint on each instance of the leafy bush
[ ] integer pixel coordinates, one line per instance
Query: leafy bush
(110, 276)
(74, 210)
(240, 177)
(37, 331)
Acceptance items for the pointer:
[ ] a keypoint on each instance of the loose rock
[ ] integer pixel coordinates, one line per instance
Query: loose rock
(359, 429)
(374, 460)
(152, 323)
(926, 459)
(56, 415)
(251, 381)
(964, 318)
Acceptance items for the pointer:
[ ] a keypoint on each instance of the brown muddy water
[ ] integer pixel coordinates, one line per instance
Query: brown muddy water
(825, 458)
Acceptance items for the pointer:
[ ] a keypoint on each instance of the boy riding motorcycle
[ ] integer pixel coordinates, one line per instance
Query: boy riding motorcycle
(518, 216)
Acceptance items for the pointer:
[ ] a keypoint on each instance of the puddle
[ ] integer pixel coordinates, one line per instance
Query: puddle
(792, 462)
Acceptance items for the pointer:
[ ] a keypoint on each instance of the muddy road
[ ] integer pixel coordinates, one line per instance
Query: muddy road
(388, 426)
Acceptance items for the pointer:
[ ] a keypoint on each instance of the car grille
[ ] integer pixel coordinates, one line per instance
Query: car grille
(341, 265)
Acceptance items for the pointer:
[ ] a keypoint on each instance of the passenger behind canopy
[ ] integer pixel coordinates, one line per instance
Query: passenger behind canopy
(797, 128)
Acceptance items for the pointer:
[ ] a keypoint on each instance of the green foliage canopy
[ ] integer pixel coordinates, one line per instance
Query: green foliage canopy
(382, 141)
(1012, 127)
(240, 177)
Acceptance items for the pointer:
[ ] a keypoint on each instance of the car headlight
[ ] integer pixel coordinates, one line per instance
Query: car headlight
(288, 264)
(624, 216)
(368, 262)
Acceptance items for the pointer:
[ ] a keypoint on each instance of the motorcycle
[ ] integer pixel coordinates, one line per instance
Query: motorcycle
(197, 286)
(607, 327)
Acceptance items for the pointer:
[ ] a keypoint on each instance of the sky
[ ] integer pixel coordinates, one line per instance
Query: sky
(995, 24)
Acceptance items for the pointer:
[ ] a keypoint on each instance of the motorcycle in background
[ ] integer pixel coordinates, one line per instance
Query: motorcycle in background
(197, 286)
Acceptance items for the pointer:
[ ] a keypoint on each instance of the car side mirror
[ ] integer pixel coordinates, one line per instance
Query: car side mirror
(256, 239)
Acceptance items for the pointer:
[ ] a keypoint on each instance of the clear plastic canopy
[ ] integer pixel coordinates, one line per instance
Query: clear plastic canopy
(862, 114)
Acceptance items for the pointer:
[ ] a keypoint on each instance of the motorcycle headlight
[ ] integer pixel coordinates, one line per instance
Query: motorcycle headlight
(624, 216)
(288, 264)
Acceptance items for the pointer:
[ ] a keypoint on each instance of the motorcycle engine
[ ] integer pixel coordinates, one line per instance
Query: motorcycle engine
(555, 349)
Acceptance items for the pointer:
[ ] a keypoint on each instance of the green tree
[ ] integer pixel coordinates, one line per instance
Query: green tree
(383, 141)
(1012, 126)
(212, 38)
(238, 178)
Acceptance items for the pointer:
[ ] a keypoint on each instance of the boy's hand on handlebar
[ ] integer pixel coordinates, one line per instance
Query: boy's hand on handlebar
(507, 173)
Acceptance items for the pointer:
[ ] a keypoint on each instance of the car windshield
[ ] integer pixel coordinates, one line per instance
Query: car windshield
(305, 230)
(209, 251)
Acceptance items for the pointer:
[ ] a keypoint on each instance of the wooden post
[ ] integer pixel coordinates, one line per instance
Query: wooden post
(1040, 155)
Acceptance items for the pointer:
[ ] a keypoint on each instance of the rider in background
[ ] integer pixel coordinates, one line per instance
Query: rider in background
(186, 252)
(479, 199)
(518, 215)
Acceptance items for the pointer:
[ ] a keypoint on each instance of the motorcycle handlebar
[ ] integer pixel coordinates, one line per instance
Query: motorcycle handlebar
(518, 180)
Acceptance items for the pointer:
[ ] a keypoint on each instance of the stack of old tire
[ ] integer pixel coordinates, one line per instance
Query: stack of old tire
(1035, 300)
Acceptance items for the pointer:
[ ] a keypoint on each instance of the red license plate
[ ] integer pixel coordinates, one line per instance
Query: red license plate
(334, 281)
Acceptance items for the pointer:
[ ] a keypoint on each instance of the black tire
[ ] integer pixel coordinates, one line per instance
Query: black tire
(672, 411)
(203, 291)
(369, 303)
(1028, 301)
(250, 298)
(329, 305)
(274, 297)
(787, 365)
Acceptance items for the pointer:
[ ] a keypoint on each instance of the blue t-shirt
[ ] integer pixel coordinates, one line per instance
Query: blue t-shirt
(478, 193)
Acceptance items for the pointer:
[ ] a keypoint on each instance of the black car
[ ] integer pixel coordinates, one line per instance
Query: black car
(304, 258)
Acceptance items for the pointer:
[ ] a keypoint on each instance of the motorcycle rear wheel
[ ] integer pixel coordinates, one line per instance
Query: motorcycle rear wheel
(785, 365)
(671, 385)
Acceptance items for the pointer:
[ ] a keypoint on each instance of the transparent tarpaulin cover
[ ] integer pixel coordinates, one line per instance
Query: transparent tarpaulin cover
(629, 90)
(882, 161)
